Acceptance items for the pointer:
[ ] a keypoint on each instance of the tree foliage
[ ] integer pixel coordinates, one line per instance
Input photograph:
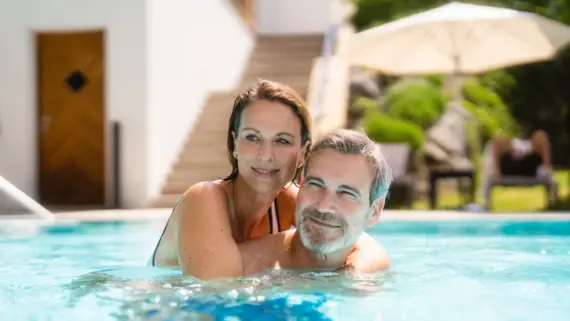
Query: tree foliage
(537, 94)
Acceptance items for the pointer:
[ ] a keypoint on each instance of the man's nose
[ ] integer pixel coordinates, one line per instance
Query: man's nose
(326, 202)
(265, 153)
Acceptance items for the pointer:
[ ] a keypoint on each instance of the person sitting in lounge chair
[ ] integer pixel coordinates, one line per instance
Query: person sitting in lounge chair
(517, 157)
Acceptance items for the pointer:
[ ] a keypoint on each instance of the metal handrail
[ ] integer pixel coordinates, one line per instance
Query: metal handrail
(24, 199)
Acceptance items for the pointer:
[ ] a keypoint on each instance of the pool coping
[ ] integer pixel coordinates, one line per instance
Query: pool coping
(162, 214)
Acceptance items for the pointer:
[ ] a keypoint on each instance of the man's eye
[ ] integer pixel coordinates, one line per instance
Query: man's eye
(314, 184)
(349, 194)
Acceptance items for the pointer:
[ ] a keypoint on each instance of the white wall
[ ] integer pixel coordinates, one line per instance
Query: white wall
(124, 22)
(293, 16)
(195, 48)
(162, 59)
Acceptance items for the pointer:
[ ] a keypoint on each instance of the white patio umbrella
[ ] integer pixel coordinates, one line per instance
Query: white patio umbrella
(456, 39)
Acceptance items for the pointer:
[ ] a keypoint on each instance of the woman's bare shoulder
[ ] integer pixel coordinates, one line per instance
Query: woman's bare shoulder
(213, 189)
(205, 195)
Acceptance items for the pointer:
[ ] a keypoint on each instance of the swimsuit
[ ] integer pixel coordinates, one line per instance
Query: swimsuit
(272, 213)
(526, 165)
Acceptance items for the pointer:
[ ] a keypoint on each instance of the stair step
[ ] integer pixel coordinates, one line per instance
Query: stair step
(208, 135)
(185, 174)
(211, 151)
(277, 63)
(279, 70)
(221, 99)
(299, 79)
(175, 188)
(281, 56)
(205, 140)
(166, 200)
(192, 165)
(285, 59)
(195, 176)
(196, 146)
(315, 35)
(315, 48)
(202, 127)
(289, 40)
(279, 76)
(297, 83)
(189, 158)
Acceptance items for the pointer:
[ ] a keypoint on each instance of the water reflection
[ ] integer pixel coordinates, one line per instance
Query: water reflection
(152, 294)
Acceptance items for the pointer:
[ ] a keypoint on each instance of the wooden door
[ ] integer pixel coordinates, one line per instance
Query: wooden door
(71, 122)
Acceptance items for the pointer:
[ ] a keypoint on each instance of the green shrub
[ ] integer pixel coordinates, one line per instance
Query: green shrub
(416, 100)
(382, 128)
(364, 104)
(489, 109)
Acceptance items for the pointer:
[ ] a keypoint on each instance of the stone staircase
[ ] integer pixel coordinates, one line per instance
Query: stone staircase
(287, 59)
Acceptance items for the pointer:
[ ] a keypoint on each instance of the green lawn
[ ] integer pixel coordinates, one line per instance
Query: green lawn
(509, 199)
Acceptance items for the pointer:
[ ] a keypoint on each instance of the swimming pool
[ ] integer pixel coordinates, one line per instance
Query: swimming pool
(462, 270)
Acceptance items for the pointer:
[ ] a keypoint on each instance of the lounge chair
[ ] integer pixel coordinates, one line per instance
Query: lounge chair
(399, 159)
(489, 181)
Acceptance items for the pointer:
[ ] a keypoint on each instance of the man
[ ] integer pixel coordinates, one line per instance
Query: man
(345, 182)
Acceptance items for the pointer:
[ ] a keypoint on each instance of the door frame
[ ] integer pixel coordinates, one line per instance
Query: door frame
(107, 143)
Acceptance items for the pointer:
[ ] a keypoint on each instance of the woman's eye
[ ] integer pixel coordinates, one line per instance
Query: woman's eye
(283, 141)
(251, 137)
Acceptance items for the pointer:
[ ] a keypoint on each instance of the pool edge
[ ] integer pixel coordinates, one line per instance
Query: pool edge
(162, 214)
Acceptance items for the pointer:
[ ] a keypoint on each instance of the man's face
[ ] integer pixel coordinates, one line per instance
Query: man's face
(333, 204)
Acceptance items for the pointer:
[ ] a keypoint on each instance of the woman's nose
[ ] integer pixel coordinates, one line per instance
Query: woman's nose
(265, 153)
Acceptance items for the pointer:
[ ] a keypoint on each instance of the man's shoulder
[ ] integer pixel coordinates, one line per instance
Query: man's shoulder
(372, 257)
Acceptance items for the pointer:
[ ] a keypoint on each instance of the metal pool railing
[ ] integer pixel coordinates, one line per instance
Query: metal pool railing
(35, 207)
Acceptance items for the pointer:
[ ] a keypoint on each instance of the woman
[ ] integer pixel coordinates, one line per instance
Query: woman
(268, 137)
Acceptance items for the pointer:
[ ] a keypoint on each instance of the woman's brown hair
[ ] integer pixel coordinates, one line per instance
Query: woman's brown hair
(269, 91)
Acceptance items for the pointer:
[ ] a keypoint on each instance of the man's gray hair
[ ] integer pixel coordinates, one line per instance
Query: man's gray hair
(353, 142)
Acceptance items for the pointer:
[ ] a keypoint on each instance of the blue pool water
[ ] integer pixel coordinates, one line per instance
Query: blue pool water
(477, 270)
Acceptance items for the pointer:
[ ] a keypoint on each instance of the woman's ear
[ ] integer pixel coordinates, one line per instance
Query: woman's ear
(234, 136)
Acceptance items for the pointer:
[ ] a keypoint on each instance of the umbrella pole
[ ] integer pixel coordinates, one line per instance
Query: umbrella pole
(457, 89)
(457, 82)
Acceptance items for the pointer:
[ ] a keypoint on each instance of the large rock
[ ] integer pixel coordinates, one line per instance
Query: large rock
(446, 141)
(364, 83)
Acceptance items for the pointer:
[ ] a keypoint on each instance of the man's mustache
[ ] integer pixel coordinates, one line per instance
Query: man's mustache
(329, 218)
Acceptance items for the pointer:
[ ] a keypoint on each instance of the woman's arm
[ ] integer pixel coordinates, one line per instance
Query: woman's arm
(206, 248)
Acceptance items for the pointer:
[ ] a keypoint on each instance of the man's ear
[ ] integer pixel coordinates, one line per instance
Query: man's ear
(375, 211)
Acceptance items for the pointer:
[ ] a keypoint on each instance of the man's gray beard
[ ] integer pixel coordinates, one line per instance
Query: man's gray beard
(318, 247)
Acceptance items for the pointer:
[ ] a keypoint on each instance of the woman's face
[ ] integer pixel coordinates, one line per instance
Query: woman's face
(268, 145)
